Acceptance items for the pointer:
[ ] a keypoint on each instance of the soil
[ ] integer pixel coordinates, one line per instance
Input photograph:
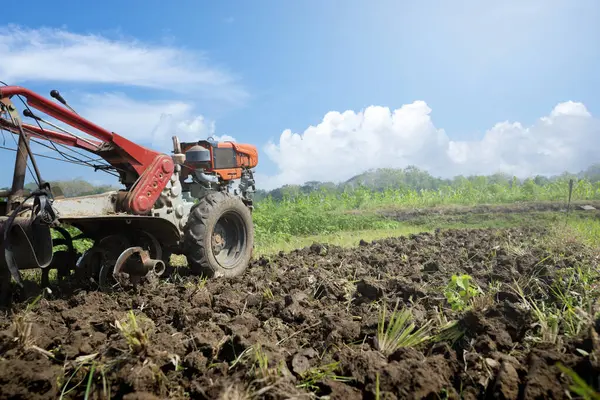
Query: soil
(409, 214)
(265, 334)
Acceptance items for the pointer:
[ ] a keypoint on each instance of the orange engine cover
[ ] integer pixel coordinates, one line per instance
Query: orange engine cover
(246, 154)
(227, 159)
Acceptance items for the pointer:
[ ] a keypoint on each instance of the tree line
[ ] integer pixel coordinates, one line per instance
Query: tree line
(380, 179)
(417, 179)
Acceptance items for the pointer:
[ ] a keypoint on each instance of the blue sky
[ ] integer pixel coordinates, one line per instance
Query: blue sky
(325, 89)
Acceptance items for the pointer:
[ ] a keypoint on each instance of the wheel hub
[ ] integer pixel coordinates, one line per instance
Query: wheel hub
(228, 239)
(219, 240)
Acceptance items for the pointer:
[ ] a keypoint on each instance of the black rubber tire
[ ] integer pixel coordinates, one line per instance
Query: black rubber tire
(203, 219)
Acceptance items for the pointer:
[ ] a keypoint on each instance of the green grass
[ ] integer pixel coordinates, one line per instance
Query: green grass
(326, 213)
(588, 229)
(342, 239)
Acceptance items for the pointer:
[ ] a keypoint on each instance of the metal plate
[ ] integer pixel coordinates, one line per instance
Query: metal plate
(97, 227)
(80, 206)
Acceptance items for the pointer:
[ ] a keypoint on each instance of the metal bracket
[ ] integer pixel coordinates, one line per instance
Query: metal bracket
(8, 107)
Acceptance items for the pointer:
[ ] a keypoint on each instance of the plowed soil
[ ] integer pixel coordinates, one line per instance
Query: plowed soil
(304, 325)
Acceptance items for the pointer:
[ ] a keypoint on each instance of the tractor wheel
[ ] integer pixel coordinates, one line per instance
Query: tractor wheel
(219, 236)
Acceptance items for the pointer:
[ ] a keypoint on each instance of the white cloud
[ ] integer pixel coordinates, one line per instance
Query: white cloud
(150, 123)
(31, 56)
(348, 143)
(55, 55)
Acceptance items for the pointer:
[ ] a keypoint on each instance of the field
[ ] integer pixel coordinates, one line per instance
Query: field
(474, 293)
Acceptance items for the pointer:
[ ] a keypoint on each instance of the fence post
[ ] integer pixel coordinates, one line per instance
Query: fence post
(570, 194)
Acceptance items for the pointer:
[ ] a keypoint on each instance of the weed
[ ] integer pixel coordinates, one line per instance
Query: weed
(202, 282)
(400, 331)
(268, 294)
(547, 322)
(23, 327)
(460, 291)
(259, 363)
(313, 376)
(135, 333)
(262, 362)
(579, 386)
(91, 369)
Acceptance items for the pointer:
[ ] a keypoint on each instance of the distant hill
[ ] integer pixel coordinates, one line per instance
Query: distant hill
(383, 178)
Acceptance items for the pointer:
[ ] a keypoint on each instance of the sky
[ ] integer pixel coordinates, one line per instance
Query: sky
(325, 90)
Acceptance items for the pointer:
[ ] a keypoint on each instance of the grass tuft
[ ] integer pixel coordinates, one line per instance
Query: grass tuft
(135, 333)
(313, 376)
(23, 327)
(400, 331)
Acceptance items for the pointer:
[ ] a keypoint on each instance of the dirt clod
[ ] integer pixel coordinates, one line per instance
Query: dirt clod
(306, 322)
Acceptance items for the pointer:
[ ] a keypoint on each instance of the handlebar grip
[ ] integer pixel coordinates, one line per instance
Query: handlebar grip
(54, 93)
(27, 112)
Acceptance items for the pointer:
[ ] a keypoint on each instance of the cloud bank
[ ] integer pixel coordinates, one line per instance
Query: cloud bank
(173, 80)
(347, 143)
(56, 55)
(150, 122)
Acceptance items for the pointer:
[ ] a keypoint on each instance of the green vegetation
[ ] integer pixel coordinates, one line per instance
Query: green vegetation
(342, 238)
(326, 212)
(588, 230)
(460, 290)
(360, 208)
(415, 179)
(400, 331)
(579, 386)
(362, 213)
(568, 309)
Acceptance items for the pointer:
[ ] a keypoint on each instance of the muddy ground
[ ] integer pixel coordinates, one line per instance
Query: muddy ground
(304, 324)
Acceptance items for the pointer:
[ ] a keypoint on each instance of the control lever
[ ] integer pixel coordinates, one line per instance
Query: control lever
(29, 114)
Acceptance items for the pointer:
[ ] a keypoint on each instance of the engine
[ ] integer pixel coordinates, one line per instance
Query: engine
(228, 160)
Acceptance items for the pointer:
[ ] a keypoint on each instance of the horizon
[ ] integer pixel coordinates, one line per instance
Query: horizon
(451, 90)
(373, 171)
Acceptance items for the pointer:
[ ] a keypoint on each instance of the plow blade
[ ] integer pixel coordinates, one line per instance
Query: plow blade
(31, 244)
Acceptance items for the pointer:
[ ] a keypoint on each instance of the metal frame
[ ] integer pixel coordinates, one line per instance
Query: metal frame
(144, 172)
(139, 157)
